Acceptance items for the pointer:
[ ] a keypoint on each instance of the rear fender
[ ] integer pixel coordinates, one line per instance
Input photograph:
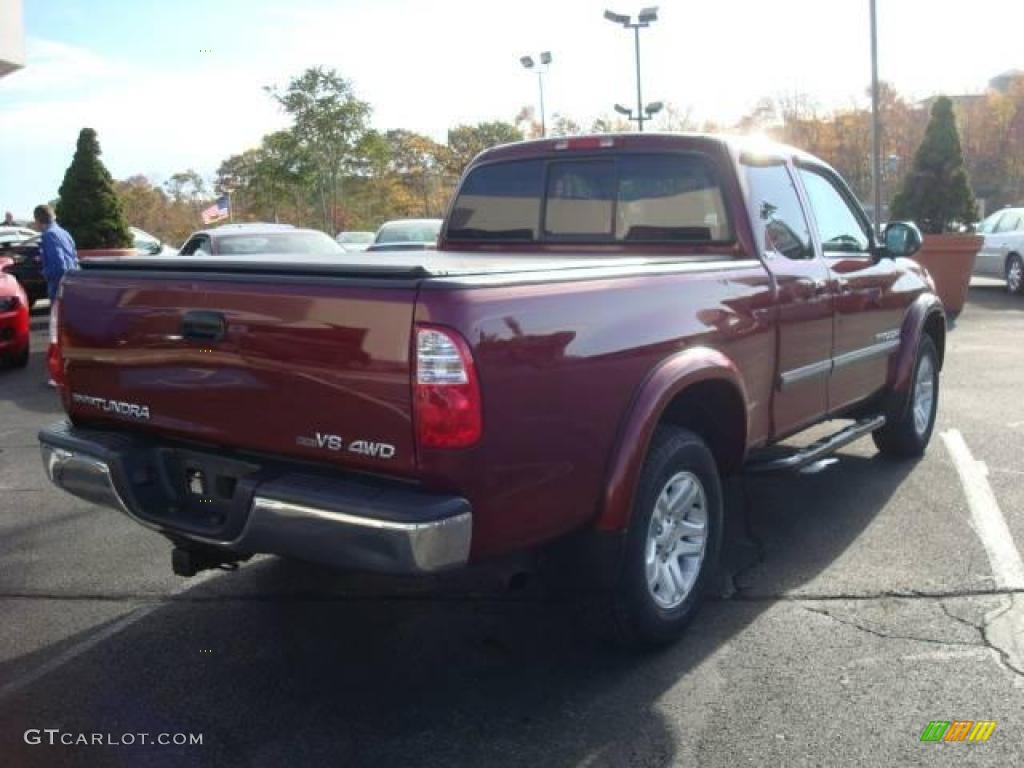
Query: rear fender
(673, 376)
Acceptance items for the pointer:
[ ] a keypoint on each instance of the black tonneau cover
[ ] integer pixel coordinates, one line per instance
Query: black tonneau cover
(407, 265)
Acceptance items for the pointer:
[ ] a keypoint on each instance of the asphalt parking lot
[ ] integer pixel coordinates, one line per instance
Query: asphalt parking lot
(857, 604)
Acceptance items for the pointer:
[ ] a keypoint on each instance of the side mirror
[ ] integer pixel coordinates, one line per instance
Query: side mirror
(902, 238)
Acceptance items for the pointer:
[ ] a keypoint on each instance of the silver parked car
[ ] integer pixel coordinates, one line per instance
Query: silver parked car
(1002, 254)
(354, 242)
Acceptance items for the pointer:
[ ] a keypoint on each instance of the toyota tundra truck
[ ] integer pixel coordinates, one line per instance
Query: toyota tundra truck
(609, 326)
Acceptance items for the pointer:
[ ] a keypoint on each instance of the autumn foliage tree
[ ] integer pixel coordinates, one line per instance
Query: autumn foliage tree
(88, 207)
(936, 193)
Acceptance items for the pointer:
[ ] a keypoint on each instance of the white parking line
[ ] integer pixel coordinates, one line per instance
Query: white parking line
(986, 517)
(70, 654)
(18, 684)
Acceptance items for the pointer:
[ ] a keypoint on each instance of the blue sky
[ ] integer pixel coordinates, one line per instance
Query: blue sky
(137, 73)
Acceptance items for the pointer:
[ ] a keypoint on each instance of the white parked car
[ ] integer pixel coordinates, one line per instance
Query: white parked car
(16, 234)
(1002, 254)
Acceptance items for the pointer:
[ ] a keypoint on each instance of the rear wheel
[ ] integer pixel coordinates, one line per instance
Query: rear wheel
(1015, 274)
(672, 543)
(908, 436)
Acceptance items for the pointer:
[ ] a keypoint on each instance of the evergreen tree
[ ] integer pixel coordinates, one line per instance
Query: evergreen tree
(89, 207)
(936, 192)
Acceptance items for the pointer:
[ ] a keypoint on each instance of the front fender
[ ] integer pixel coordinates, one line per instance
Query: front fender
(672, 376)
(901, 370)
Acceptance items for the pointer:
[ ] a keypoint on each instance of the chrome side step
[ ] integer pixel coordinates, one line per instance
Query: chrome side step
(817, 450)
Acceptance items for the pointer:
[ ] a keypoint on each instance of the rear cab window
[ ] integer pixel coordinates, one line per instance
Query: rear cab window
(648, 198)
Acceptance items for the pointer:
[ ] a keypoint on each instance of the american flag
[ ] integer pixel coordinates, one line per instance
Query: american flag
(219, 210)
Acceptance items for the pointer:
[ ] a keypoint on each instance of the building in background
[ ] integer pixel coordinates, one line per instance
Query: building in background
(12, 37)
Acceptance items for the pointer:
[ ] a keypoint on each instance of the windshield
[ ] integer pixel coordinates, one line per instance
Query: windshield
(360, 238)
(409, 232)
(315, 243)
(624, 198)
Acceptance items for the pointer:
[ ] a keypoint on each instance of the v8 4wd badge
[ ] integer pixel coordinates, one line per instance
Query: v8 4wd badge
(329, 442)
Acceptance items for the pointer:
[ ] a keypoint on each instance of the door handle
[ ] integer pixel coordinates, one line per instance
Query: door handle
(843, 284)
(814, 287)
(203, 326)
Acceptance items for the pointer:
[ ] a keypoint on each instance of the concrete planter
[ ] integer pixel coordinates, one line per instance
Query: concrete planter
(949, 259)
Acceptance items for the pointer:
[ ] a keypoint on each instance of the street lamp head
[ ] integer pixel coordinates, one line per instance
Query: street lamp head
(617, 18)
(545, 57)
(654, 107)
(647, 15)
(623, 110)
(527, 61)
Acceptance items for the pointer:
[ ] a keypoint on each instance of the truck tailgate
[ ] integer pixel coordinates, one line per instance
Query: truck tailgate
(306, 367)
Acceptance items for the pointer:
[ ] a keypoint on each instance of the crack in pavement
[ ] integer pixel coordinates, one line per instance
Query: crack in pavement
(887, 635)
(1003, 632)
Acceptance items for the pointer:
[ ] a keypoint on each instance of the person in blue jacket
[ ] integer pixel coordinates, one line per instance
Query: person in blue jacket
(59, 252)
(59, 256)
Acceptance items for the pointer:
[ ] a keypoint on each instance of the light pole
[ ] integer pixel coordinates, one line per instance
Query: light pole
(876, 128)
(644, 19)
(545, 61)
(650, 111)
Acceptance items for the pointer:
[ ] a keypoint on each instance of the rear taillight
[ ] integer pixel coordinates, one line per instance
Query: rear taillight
(447, 392)
(54, 361)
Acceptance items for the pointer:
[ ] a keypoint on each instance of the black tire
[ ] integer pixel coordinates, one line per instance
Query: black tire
(902, 437)
(1015, 275)
(630, 611)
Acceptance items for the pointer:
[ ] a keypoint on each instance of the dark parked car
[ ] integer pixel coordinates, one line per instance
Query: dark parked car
(260, 240)
(27, 260)
(407, 235)
(611, 325)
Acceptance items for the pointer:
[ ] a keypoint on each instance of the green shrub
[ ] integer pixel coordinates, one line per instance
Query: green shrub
(88, 207)
(936, 193)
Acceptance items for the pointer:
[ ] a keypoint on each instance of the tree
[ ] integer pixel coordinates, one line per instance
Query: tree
(89, 207)
(936, 193)
(148, 207)
(415, 162)
(611, 124)
(674, 119)
(328, 125)
(467, 141)
(528, 123)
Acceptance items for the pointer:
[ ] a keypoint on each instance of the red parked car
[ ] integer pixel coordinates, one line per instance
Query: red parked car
(14, 327)
(610, 326)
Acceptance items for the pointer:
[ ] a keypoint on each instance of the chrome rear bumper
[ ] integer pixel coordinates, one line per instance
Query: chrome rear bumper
(339, 522)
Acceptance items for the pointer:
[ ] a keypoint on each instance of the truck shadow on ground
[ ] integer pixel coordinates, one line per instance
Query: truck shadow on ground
(287, 664)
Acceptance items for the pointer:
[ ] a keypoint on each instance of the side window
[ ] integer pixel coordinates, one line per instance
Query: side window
(1010, 222)
(190, 247)
(197, 246)
(988, 226)
(779, 222)
(840, 228)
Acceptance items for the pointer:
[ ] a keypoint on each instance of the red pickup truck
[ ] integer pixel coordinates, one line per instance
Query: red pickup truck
(610, 325)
